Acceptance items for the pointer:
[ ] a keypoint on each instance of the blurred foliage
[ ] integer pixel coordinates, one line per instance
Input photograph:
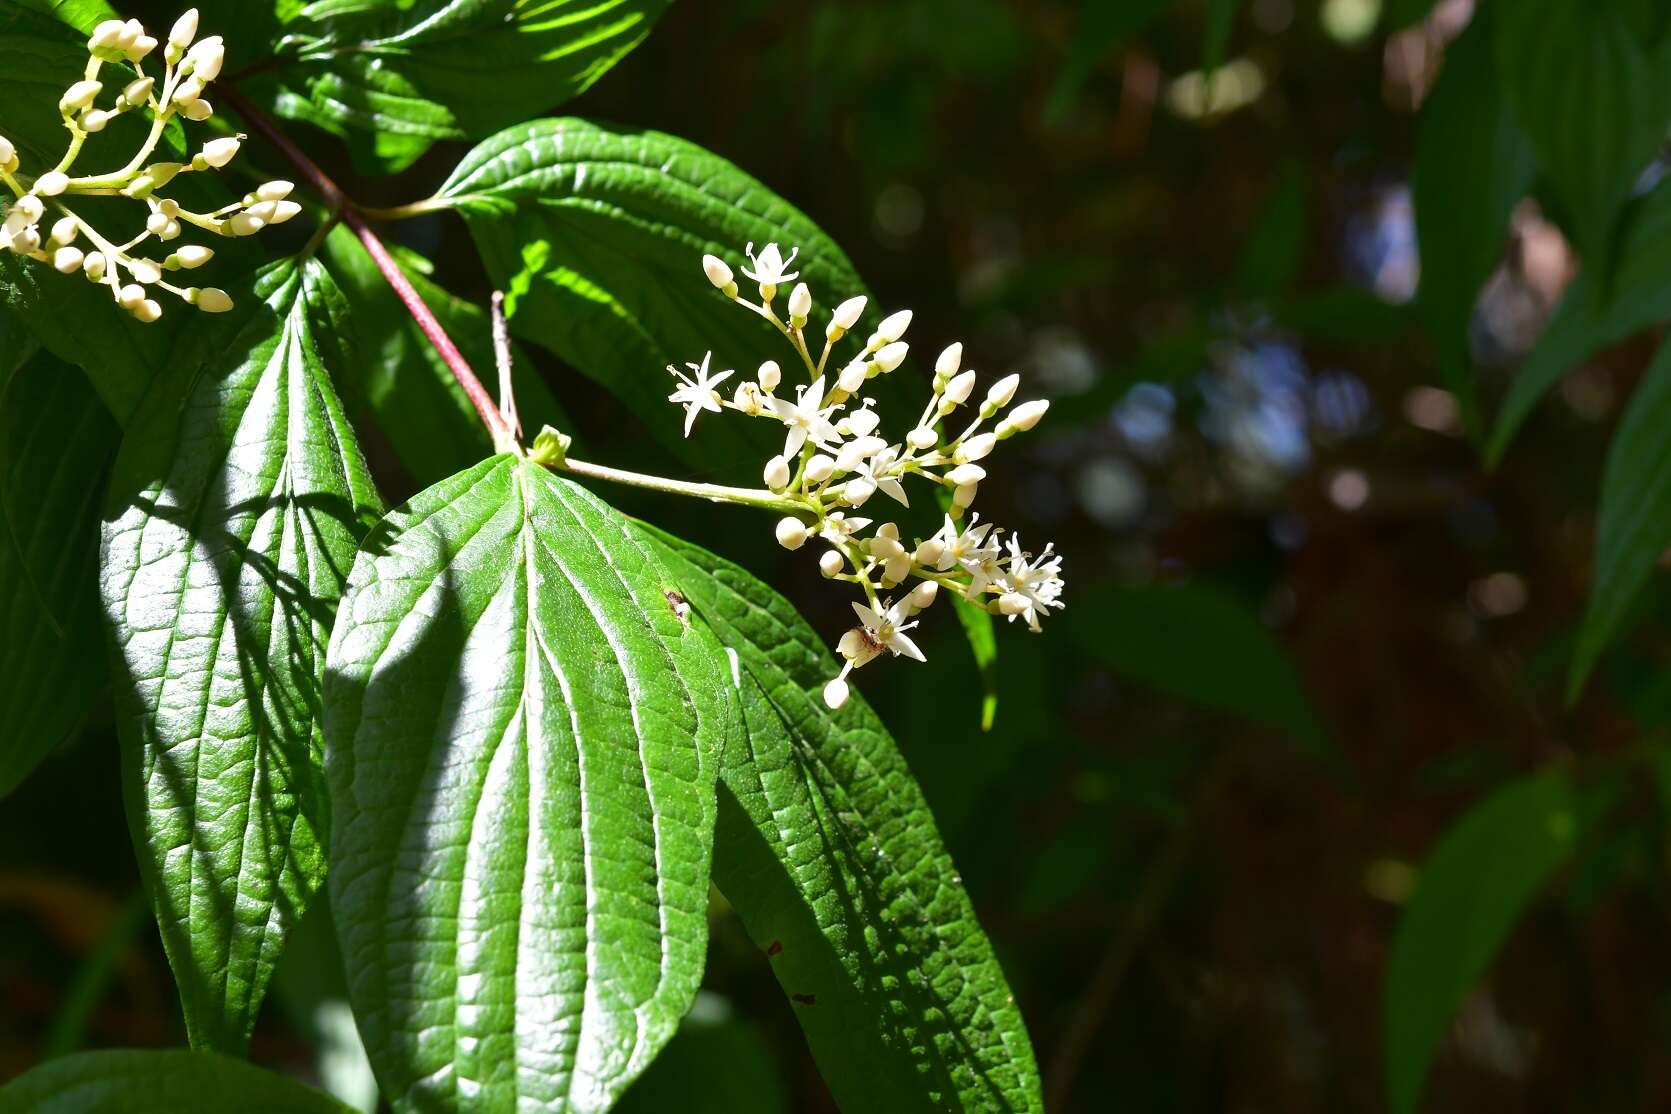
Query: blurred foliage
(1277, 527)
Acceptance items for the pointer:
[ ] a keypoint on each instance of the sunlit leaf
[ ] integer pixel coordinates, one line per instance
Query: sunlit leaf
(1474, 887)
(830, 855)
(159, 1082)
(236, 503)
(524, 736)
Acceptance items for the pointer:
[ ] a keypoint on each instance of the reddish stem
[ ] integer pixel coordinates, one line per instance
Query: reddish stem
(339, 203)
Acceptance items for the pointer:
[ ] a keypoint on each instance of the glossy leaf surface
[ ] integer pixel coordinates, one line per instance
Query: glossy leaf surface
(159, 1082)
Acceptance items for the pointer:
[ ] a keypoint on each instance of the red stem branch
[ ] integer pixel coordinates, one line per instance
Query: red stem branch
(396, 278)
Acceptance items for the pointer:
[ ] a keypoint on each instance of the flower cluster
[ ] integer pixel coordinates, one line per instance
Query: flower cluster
(835, 460)
(41, 225)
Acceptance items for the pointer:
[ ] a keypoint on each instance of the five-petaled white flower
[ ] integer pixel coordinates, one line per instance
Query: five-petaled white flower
(975, 550)
(886, 628)
(805, 417)
(697, 394)
(770, 267)
(1034, 584)
(875, 469)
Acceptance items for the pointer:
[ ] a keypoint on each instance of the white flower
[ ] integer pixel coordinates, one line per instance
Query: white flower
(838, 528)
(974, 550)
(887, 628)
(770, 268)
(805, 417)
(1035, 584)
(696, 394)
(875, 469)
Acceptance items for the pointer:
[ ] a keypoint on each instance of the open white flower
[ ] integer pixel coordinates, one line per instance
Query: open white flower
(974, 550)
(878, 470)
(697, 394)
(806, 417)
(1034, 583)
(770, 267)
(886, 628)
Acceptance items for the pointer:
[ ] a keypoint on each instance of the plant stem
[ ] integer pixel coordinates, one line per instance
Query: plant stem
(503, 439)
(714, 493)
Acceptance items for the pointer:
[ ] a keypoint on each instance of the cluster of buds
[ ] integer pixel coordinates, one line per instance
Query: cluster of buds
(835, 460)
(40, 223)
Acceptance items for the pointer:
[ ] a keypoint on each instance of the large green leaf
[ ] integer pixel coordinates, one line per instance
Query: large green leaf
(830, 855)
(405, 384)
(1590, 318)
(56, 442)
(1479, 879)
(1593, 99)
(237, 501)
(1202, 645)
(1473, 165)
(166, 1082)
(523, 741)
(1634, 522)
(597, 234)
(413, 71)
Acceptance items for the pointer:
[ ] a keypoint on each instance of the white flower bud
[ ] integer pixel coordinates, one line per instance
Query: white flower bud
(895, 570)
(8, 155)
(94, 120)
(244, 224)
(1012, 603)
(276, 190)
(211, 300)
(1002, 391)
(1024, 417)
(147, 311)
(132, 30)
(139, 49)
(922, 438)
(832, 563)
(130, 296)
(958, 390)
(184, 30)
(189, 257)
(885, 548)
(52, 183)
(282, 210)
(930, 552)
(168, 207)
(966, 474)
(138, 90)
(64, 231)
(888, 530)
(719, 274)
(892, 328)
(218, 152)
(977, 447)
(847, 314)
(856, 450)
(777, 473)
(791, 533)
(189, 90)
(800, 304)
(892, 355)
(951, 358)
(206, 59)
(196, 110)
(93, 265)
(156, 224)
(852, 377)
(924, 594)
(819, 469)
(145, 270)
(770, 376)
(67, 260)
(80, 95)
(29, 207)
(858, 491)
(171, 231)
(836, 693)
(106, 36)
(964, 495)
(26, 240)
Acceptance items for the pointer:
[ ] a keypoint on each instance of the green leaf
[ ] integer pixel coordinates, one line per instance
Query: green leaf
(83, 15)
(1590, 319)
(56, 443)
(312, 987)
(983, 644)
(1480, 878)
(830, 855)
(1473, 165)
(523, 741)
(1202, 645)
(413, 71)
(1634, 521)
(405, 384)
(1221, 20)
(237, 500)
(172, 1081)
(597, 236)
(1594, 101)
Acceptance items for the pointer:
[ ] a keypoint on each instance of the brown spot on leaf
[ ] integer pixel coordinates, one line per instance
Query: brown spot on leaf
(680, 606)
(774, 947)
(805, 999)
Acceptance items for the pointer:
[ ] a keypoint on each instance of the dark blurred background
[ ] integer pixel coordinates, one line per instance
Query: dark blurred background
(1306, 627)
